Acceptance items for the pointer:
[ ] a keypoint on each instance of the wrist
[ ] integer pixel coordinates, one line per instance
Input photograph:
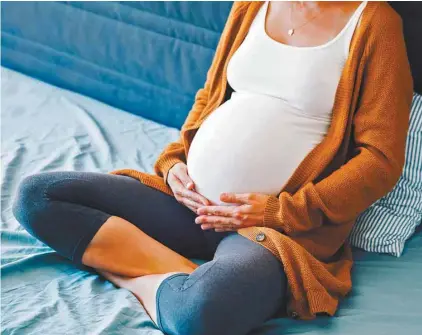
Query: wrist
(272, 206)
(169, 166)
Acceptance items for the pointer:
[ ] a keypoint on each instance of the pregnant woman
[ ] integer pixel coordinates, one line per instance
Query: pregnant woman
(301, 125)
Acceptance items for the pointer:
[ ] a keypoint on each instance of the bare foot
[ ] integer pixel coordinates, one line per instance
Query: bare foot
(144, 288)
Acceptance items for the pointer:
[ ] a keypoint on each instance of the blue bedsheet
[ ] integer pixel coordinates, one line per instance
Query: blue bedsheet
(45, 128)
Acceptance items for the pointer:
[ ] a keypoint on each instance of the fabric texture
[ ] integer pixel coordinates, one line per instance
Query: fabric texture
(360, 160)
(224, 296)
(307, 78)
(387, 224)
(107, 50)
(65, 209)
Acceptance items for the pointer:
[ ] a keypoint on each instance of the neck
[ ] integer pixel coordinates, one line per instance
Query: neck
(315, 6)
(306, 4)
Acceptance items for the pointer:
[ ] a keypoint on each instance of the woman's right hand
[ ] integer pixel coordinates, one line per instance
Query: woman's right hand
(183, 187)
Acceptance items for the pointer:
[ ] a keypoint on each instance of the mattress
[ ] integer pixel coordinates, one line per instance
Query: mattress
(45, 128)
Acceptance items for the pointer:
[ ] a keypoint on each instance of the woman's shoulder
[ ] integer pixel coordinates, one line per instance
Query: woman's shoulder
(243, 5)
(241, 8)
(384, 19)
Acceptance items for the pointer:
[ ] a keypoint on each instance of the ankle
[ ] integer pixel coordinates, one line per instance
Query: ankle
(162, 268)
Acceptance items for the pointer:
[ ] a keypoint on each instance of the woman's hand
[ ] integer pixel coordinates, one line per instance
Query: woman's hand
(249, 212)
(183, 188)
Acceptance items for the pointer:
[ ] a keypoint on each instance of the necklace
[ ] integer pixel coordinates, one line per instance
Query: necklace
(291, 31)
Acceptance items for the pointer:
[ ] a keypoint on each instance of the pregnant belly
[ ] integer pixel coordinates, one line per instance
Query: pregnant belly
(251, 143)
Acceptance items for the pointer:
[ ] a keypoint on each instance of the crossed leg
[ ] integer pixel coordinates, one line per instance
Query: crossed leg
(242, 287)
(123, 228)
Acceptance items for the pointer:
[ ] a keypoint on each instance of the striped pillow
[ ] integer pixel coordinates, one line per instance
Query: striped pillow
(385, 226)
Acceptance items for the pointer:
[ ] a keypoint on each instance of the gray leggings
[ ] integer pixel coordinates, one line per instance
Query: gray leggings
(240, 286)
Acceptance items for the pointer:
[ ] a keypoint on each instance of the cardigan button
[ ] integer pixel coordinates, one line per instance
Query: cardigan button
(260, 237)
(294, 315)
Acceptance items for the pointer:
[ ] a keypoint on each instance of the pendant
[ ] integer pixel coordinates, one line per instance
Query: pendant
(291, 32)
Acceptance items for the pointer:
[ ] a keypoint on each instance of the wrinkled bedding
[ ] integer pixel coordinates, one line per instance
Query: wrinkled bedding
(45, 128)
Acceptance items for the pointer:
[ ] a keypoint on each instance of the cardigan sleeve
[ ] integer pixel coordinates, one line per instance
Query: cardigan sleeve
(379, 129)
(175, 152)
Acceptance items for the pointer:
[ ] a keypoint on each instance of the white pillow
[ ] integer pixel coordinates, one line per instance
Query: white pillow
(385, 226)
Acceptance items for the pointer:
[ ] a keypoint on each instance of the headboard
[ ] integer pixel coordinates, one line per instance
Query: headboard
(148, 57)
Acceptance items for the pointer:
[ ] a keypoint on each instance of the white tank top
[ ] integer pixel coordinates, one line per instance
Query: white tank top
(279, 111)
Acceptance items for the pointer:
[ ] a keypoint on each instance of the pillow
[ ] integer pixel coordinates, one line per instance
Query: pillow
(385, 226)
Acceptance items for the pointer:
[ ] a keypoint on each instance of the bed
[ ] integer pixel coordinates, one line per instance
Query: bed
(56, 124)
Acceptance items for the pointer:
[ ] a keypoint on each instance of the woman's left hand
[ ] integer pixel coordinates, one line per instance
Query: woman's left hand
(249, 212)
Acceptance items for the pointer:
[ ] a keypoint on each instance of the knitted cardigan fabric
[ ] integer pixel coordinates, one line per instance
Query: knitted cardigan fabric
(358, 161)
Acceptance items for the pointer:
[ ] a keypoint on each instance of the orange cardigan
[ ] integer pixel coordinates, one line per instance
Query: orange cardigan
(359, 160)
